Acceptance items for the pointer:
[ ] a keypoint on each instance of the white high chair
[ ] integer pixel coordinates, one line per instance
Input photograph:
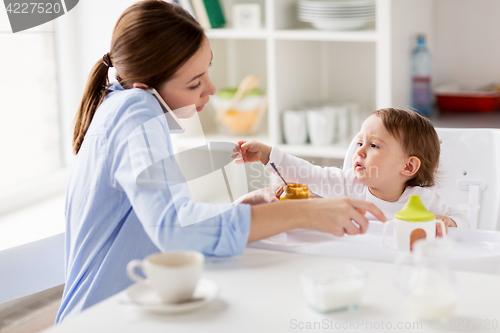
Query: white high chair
(469, 173)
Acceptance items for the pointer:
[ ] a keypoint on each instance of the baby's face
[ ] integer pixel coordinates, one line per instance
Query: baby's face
(379, 158)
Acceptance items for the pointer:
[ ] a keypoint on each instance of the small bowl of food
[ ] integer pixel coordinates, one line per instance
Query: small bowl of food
(242, 116)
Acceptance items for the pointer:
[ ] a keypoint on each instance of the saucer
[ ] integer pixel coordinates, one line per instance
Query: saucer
(145, 297)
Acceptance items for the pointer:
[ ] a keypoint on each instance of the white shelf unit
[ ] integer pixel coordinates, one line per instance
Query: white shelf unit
(297, 64)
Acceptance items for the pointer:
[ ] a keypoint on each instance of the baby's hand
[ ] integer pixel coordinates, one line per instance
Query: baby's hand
(447, 223)
(251, 151)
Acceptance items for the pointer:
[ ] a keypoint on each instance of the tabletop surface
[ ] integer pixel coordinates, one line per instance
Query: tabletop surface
(260, 292)
(473, 250)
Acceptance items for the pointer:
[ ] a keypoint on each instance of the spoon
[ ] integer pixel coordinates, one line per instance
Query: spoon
(279, 174)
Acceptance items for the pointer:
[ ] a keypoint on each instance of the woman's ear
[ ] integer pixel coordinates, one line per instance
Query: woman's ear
(140, 85)
(411, 167)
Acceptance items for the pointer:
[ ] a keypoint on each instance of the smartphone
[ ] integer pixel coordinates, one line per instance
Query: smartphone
(174, 125)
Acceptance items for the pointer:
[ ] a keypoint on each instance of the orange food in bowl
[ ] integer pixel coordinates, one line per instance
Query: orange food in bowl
(239, 121)
(295, 191)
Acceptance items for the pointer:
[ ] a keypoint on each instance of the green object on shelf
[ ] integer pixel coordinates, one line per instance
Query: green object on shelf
(229, 93)
(215, 13)
(414, 211)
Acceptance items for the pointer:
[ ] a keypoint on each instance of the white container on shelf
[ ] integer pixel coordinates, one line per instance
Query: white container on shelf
(295, 127)
(321, 126)
(338, 113)
(246, 16)
(349, 120)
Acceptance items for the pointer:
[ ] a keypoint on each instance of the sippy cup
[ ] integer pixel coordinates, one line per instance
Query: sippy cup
(295, 191)
(412, 223)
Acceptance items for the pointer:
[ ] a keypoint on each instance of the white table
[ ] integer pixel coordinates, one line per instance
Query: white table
(260, 293)
(474, 250)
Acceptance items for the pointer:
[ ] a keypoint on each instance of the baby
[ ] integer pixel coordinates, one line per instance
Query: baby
(397, 156)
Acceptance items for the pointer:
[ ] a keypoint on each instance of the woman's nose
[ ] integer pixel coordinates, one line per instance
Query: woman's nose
(210, 90)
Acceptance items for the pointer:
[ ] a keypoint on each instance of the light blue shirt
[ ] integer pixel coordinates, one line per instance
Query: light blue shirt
(111, 220)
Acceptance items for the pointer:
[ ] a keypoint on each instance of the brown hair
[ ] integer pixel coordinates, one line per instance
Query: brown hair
(418, 138)
(151, 41)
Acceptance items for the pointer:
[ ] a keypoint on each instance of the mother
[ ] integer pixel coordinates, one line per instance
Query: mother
(110, 218)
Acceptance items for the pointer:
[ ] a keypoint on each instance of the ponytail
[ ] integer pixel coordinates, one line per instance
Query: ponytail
(94, 93)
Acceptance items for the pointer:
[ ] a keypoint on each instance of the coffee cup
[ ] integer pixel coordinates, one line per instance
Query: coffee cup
(412, 223)
(174, 275)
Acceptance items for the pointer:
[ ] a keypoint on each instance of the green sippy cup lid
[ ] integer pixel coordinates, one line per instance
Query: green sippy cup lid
(414, 211)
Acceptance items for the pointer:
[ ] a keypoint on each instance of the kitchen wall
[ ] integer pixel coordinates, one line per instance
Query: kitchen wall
(467, 48)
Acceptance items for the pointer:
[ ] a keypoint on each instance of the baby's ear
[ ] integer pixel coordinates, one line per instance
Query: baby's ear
(411, 167)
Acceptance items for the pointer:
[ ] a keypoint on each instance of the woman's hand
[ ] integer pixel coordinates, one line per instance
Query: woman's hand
(263, 195)
(447, 223)
(251, 151)
(343, 215)
(337, 216)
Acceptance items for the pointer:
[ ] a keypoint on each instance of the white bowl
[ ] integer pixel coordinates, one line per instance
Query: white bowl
(339, 3)
(324, 17)
(337, 9)
(335, 13)
(245, 104)
(243, 117)
(334, 288)
(340, 25)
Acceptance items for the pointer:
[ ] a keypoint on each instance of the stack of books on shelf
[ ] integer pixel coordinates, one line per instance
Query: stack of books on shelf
(208, 13)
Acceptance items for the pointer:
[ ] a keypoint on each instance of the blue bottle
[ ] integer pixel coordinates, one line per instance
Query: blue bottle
(421, 90)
